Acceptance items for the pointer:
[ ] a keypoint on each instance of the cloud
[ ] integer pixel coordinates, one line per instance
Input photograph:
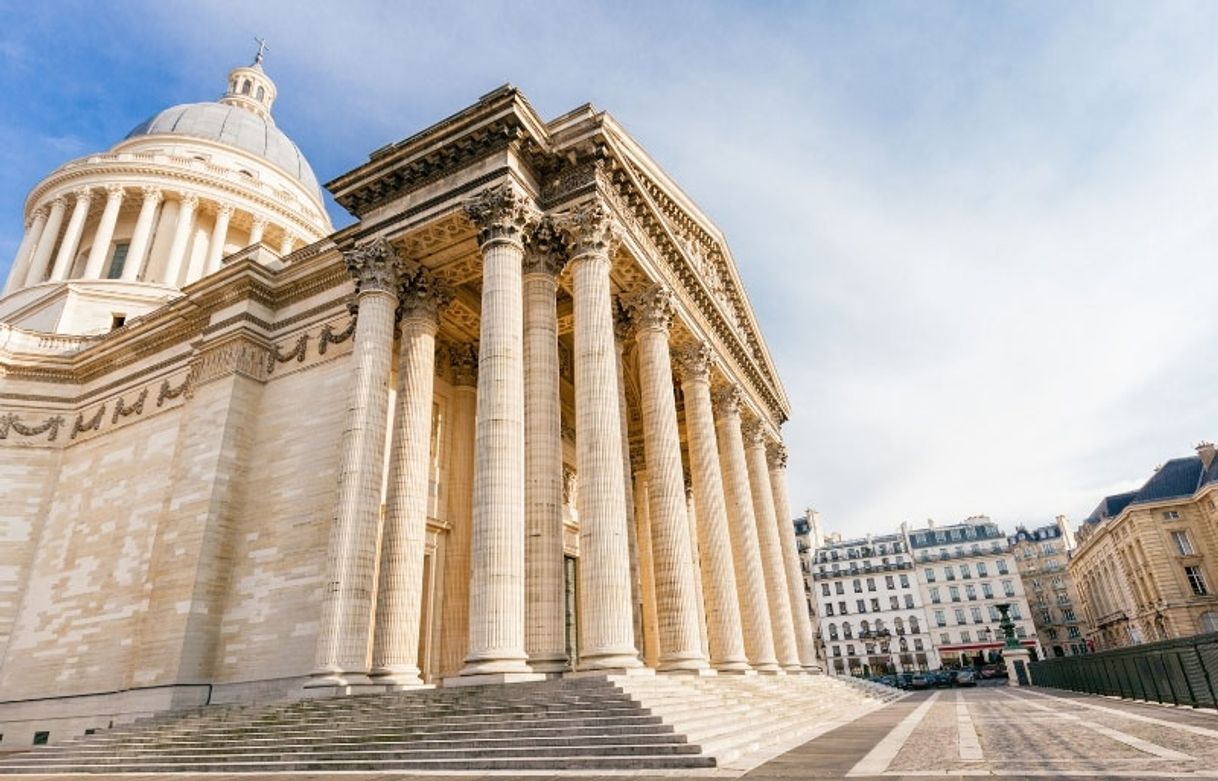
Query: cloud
(979, 237)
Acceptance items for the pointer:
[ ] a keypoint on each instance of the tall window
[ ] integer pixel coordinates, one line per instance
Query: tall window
(1184, 546)
(964, 573)
(970, 591)
(940, 618)
(839, 587)
(893, 603)
(858, 586)
(904, 581)
(824, 589)
(832, 631)
(871, 584)
(976, 615)
(1002, 566)
(930, 575)
(987, 591)
(934, 595)
(847, 631)
(909, 600)
(913, 625)
(841, 608)
(955, 592)
(949, 573)
(118, 260)
(982, 572)
(889, 582)
(1008, 588)
(960, 615)
(1196, 579)
(861, 604)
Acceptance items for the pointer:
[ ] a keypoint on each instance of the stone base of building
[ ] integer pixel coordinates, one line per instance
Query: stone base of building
(490, 679)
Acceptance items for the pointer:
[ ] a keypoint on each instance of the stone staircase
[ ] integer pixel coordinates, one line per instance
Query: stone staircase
(594, 723)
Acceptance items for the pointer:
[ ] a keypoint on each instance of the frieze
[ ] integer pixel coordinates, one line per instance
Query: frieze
(136, 408)
(240, 355)
(11, 422)
(328, 336)
(297, 353)
(169, 393)
(80, 427)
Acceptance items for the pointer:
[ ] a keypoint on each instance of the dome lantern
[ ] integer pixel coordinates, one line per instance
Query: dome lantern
(250, 88)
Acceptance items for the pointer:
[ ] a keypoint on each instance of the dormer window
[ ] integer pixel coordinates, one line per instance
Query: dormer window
(245, 87)
(261, 94)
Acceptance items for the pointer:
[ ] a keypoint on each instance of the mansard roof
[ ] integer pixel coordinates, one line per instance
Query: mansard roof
(1179, 478)
(567, 159)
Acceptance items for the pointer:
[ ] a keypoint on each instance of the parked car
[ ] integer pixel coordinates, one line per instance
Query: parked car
(904, 680)
(994, 671)
(943, 679)
(921, 681)
(965, 678)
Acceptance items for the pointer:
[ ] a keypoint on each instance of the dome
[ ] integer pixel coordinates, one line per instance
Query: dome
(237, 127)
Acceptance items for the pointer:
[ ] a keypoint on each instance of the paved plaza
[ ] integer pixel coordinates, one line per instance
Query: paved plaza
(999, 732)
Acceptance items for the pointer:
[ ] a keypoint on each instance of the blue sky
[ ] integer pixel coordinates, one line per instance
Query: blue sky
(980, 237)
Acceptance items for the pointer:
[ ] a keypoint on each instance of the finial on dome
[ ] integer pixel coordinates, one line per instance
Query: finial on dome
(262, 50)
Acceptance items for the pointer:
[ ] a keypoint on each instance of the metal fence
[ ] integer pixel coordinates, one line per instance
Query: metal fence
(1182, 672)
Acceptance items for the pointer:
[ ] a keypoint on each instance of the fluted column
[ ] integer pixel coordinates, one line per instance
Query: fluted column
(652, 311)
(691, 515)
(454, 621)
(621, 332)
(719, 586)
(607, 626)
(104, 233)
(771, 550)
(651, 624)
(141, 236)
(288, 243)
(395, 646)
(46, 243)
(257, 227)
(181, 238)
(496, 599)
(776, 455)
(746, 553)
(25, 252)
(219, 234)
(544, 607)
(342, 641)
(71, 235)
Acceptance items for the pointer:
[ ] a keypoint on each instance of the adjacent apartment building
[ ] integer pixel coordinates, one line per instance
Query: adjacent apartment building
(871, 610)
(1042, 554)
(1146, 564)
(964, 571)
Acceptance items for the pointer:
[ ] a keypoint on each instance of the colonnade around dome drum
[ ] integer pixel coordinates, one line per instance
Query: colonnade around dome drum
(138, 233)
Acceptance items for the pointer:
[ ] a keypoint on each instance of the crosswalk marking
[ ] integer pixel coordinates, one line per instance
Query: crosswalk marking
(970, 746)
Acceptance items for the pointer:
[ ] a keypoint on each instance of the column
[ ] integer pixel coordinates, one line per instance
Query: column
(777, 459)
(719, 587)
(652, 311)
(141, 236)
(395, 646)
(691, 515)
(289, 242)
(746, 553)
(607, 627)
(181, 238)
(100, 251)
(71, 236)
(621, 332)
(544, 608)
(771, 550)
(454, 621)
(256, 230)
(219, 234)
(346, 612)
(46, 243)
(651, 625)
(25, 252)
(496, 596)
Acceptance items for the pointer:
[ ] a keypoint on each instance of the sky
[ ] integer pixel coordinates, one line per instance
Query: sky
(979, 237)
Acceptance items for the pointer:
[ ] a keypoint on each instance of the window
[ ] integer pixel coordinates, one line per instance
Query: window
(982, 572)
(117, 320)
(847, 631)
(261, 94)
(960, 619)
(245, 87)
(824, 589)
(1037, 586)
(1015, 614)
(965, 636)
(955, 592)
(1008, 588)
(934, 595)
(1052, 633)
(875, 604)
(837, 650)
(839, 587)
(918, 644)
(940, 618)
(1021, 632)
(894, 603)
(1074, 632)
(858, 586)
(1048, 549)
(861, 604)
(871, 584)
(832, 631)
(1184, 546)
(1171, 515)
(970, 591)
(117, 261)
(900, 626)
(930, 575)
(850, 649)
(841, 608)
(904, 581)
(909, 600)
(1196, 579)
(949, 573)
(1002, 566)
(987, 591)
(964, 572)
(828, 608)
(889, 582)
(976, 615)
(41, 738)
(945, 638)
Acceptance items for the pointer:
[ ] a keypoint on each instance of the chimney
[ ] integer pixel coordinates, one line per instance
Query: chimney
(1206, 451)
(1067, 532)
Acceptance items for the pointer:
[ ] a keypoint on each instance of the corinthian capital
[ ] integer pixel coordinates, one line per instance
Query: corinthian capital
(544, 251)
(692, 361)
(152, 193)
(83, 194)
(589, 229)
(776, 455)
(421, 294)
(651, 308)
(501, 213)
(375, 266)
(726, 400)
(463, 360)
(754, 432)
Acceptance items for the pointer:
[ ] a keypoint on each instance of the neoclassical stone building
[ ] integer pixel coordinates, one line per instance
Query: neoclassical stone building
(517, 420)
